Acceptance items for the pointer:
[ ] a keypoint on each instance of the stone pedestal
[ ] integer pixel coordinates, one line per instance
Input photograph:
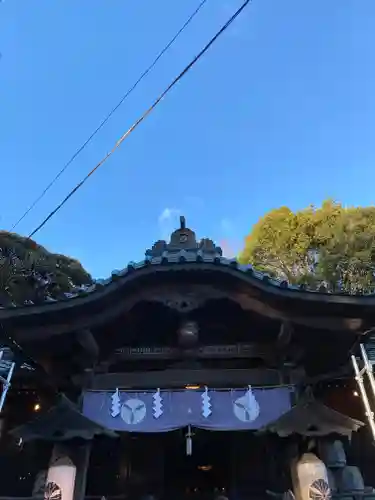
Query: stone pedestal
(66, 476)
(349, 479)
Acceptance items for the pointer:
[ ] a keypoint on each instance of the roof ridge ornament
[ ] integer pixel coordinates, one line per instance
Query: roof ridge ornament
(183, 241)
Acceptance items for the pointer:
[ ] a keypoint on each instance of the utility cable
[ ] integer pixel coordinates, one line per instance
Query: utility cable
(145, 114)
(125, 96)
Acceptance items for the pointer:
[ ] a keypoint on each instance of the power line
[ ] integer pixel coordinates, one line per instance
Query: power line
(125, 96)
(145, 114)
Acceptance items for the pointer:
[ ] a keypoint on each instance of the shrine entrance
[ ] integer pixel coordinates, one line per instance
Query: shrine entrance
(237, 464)
(204, 474)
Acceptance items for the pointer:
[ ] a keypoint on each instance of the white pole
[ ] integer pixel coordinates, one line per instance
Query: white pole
(6, 385)
(366, 404)
(368, 368)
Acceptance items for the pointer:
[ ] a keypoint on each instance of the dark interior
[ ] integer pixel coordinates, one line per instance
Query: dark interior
(238, 465)
(205, 472)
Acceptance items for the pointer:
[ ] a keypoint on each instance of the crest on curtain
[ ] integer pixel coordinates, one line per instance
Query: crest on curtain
(163, 411)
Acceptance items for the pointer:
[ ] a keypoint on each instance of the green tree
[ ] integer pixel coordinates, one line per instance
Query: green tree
(331, 245)
(31, 274)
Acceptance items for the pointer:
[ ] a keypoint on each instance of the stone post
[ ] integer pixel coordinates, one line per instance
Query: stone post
(310, 478)
(66, 476)
(332, 452)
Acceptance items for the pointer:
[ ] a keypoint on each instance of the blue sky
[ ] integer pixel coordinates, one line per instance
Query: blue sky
(281, 111)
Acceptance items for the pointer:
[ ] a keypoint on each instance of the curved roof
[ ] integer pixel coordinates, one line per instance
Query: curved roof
(183, 253)
(62, 422)
(313, 418)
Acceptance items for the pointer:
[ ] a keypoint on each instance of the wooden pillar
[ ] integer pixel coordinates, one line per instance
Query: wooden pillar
(66, 477)
(2, 427)
(233, 465)
(83, 462)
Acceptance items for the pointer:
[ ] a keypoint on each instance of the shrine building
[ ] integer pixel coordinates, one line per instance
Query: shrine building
(187, 375)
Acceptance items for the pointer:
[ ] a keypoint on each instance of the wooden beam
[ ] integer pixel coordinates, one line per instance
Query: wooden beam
(181, 378)
(87, 340)
(285, 335)
(215, 351)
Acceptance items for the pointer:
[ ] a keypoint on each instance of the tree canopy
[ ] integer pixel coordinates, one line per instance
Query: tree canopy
(331, 246)
(31, 274)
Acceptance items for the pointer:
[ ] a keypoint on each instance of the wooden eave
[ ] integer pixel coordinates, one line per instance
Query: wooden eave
(313, 418)
(273, 299)
(62, 422)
